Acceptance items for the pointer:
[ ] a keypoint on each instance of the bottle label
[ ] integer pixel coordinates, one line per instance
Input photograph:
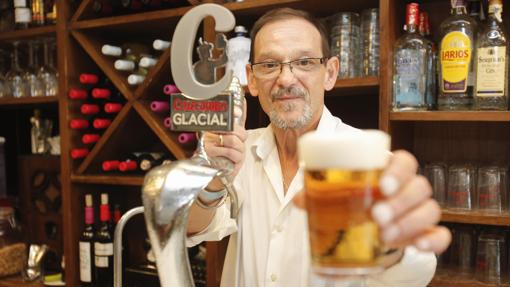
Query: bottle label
(85, 262)
(22, 15)
(103, 249)
(490, 77)
(20, 3)
(410, 77)
(455, 58)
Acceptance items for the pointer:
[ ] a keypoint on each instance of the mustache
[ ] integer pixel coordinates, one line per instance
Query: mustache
(294, 91)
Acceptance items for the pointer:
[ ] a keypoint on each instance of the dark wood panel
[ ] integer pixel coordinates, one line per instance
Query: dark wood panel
(28, 33)
(17, 281)
(468, 116)
(108, 179)
(28, 101)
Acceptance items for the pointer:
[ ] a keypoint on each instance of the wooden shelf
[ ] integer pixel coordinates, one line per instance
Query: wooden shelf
(462, 116)
(108, 179)
(476, 217)
(356, 86)
(451, 279)
(28, 33)
(28, 101)
(17, 281)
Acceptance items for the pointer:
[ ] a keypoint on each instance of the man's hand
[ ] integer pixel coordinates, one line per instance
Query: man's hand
(229, 145)
(408, 215)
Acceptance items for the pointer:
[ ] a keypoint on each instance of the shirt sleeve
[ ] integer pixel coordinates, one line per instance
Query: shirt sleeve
(221, 225)
(416, 269)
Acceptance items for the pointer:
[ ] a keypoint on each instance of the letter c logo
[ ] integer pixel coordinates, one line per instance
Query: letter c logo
(182, 51)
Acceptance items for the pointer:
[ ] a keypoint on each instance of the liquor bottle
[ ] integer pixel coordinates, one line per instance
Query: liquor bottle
(491, 89)
(161, 45)
(22, 14)
(150, 160)
(51, 11)
(410, 65)
(103, 246)
(86, 245)
(456, 77)
(38, 13)
(160, 106)
(238, 50)
(430, 92)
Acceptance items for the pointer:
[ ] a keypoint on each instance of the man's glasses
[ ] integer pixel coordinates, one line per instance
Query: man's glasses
(271, 70)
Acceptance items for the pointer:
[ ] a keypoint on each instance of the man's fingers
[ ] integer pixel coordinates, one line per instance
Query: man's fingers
(437, 239)
(402, 168)
(412, 224)
(411, 195)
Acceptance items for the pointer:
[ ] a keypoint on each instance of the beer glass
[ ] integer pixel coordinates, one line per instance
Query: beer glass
(341, 177)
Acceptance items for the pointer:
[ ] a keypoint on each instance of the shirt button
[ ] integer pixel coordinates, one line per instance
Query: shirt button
(279, 228)
(273, 277)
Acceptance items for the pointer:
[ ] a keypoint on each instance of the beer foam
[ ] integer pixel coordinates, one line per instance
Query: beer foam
(357, 150)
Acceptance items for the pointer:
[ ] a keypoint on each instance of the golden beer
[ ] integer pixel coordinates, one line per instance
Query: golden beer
(342, 173)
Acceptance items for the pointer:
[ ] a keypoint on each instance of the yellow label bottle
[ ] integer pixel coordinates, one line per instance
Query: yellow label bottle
(455, 59)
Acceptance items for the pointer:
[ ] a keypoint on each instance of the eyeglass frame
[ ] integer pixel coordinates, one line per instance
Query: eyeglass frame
(323, 60)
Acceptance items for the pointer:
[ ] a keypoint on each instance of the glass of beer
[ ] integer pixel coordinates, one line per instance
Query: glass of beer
(342, 172)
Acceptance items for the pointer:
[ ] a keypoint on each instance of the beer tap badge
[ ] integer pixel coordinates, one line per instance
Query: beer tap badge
(204, 102)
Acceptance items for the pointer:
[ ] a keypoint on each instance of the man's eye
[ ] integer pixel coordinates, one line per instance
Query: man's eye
(304, 62)
(270, 65)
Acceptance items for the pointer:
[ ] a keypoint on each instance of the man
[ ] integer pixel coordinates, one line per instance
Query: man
(290, 72)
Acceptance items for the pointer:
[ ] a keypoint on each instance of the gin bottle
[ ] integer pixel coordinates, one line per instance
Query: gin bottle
(458, 36)
(410, 65)
(491, 89)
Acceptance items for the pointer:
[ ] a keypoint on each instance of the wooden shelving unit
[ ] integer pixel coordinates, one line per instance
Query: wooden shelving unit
(108, 179)
(461, 116)
(27, 101)
(28, 33)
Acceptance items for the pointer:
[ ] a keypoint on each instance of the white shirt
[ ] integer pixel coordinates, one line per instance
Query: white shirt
(269, 242)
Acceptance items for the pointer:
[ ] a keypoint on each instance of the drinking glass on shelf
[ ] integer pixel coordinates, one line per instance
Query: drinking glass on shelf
(492, 187)
(490, 257)
(5, 91)
(17, 84)
(370, 43)
(465, 252)
(47, 73)
(436, 174)
(34, 83)
(461, 186)
(346, 43)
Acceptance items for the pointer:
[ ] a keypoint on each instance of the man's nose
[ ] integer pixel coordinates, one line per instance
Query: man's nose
(286, 76)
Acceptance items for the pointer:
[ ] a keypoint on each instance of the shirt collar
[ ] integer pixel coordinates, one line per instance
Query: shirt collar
(266, 141)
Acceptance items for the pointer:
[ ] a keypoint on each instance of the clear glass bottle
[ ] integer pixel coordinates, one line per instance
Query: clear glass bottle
(491, 89)
(430, 93)
(410, 65)
(456, 75)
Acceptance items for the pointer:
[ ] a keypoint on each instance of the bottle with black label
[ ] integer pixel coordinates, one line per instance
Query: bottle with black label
(22, 14)
(103, 246)
(86, 246)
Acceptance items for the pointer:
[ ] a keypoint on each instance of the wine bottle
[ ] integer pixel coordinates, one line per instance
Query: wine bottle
(161, 45)
(51, 12)
(135, 79)
(103, 246)
(167, 122)
(187, 139)
(130, 55)
(102, 7)
(170, 89)
(150, 160)
(101, 123)
(147, 62)
(86, 245)
(132, 5)
(77, 153)
(151, 4)
(117, 214)
(78, 94)
(38, 14)
(110, 165)
(22, 14)
(131, 163)
(160, 106)
(90, 109)
(89, 79)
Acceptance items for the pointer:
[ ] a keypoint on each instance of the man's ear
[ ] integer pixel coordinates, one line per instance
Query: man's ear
(252, 86)
(332, 67)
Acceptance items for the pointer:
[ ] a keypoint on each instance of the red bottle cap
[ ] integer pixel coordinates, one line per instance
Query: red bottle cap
(98, 93)
(77, 94)
(79, 153)
(101, 123)
(88, 109)
(127, 165)
(110, 165)
(104, 212)
(116, 215)
(412, 14)
(90, 138)
(112, 108)
(89, 79)
(78, 124)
